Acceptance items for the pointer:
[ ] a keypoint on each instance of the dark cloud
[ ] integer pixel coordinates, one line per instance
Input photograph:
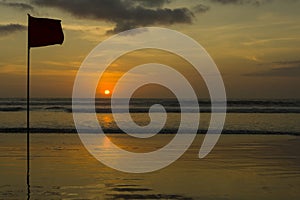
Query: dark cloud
(152, 3)
(290, 62)
(122, 26)
(21, 6)
(128, 14)
(125, 14)
(11, 28)
(281, 69)
(241, 2)
(200, 8)
(293, 71)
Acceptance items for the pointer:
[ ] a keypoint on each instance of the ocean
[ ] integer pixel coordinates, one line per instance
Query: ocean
(54, 115)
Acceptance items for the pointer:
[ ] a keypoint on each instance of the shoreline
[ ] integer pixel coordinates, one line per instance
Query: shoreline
(118, 131)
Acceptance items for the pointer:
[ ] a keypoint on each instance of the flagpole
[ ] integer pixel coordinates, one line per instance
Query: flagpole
(28, 116)
(41, 32)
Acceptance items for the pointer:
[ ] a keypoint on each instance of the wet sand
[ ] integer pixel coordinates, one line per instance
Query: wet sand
(239, 167)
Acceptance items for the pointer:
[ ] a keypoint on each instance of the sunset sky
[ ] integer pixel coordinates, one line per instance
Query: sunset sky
(255, 43)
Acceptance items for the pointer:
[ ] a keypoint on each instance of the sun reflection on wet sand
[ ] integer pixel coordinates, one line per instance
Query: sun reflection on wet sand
(240, 167)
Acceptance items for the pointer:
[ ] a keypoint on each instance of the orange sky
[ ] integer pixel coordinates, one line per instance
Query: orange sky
(256, 46)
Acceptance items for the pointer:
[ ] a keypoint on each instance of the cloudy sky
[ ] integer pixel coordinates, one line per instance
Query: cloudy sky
(255, 43)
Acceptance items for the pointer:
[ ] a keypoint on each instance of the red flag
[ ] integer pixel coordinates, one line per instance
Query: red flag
(44, 32)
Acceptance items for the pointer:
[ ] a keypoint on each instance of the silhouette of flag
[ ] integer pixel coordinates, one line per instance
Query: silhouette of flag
(44, 32)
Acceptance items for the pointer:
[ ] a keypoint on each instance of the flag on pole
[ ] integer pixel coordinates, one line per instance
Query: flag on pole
(44, 32)
(41, 32)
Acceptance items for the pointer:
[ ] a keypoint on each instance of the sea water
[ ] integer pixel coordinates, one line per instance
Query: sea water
(54, 115)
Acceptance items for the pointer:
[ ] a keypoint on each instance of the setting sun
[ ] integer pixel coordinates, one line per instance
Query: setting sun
(107, 92)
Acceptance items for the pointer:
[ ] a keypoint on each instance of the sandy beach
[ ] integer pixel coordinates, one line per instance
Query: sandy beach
(239, 167)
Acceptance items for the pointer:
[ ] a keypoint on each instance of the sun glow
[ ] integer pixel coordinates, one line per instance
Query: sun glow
(107, 92)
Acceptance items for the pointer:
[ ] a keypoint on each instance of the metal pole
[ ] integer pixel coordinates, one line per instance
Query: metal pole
(28, 118)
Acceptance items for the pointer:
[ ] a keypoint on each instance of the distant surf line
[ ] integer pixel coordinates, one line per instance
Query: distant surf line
(163, 131)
